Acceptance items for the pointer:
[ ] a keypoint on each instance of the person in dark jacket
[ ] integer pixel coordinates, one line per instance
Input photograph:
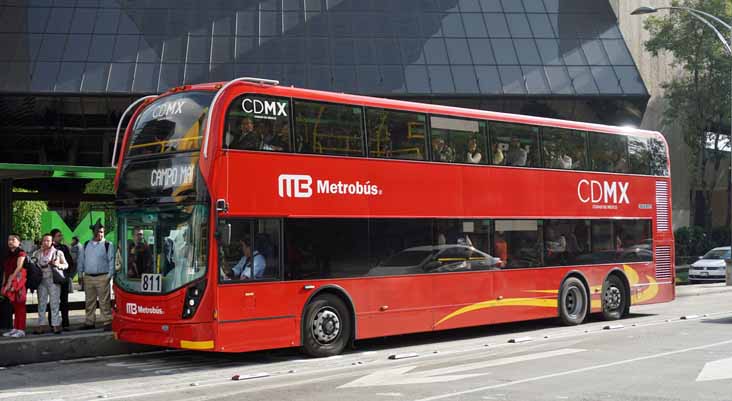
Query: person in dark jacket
(58, 239)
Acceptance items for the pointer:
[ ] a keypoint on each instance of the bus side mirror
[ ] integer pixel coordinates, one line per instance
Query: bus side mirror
(223, 234)
(221, 205)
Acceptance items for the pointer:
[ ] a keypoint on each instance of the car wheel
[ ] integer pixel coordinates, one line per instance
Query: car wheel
(614, 298)
(572, 302)
(326, 326)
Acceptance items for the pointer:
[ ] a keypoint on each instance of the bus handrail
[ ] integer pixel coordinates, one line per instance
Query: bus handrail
(119, 125)
(262, 81)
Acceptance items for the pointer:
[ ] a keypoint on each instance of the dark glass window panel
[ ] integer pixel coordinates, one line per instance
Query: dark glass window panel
(69, 77)
(107, 21)
(393, 78)
(292, 5)
(514, 144)
(223, 48)
(60, 20)
(465, 81)
(605, 245)
(561, 33)
(527, 52)
(535, 79)
(83, 21)
(452, 25)
(512, 79)
(316, 23)
(44, 76)
(512, 6)
(387, 50)
(639, 156)
(313, 5)
(270, 23)
(12, 46)
(125, 48)
(608, 153)
(534, 6)
(223, 25)
(401, 246)
(276, 71)
(16, 76)
(341, 24)
(595, 52)
(295, 74)
(396, 134)
(606, 80)
(416, 79)
(491, 5)
(474, 25)
(412, 52)
(488, 79)
(564, 149)
(659, 161)
(154, 22)
(246, 70)
(559, 80)
(318, 50)
(566, 242)
(549, 51)
(326, 248)
(245, 47)
(343, 51)
(52, 48)
(95, 77)
(249, 128)
(293, 50)
(586, 27)
(517, 243)
(128, 25)
(261, 239)
(198, 49)
(146, 78)
(540, 26)
(572, 50)
(77, 48)
(319, 77)
(171, 75)
(150, 49)
(330, 129)
(368, 79)
(611, 32)
(617, 52)
(636, 240)
(247, 23)
(344, 78)
(459, 140)
(481, 51)
(195, 73)
(64, 3)
(435, 52)
(406, 25)
(496, 24)
(552, 6)
(292, 21)
(518, 25)
(37, 19)
(174, 50)
(441, 79)
(469, 6)
(630, 80)
(458, 51)
(504, 51)
(120, 77)
(582, 80)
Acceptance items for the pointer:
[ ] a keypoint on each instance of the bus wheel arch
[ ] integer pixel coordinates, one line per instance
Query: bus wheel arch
(573, 300)
(616, 295)
(331, 303)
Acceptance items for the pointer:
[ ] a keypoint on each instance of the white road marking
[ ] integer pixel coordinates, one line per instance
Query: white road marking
(390, 394)
(401, 375)
(716, 370)
(23, 393)
(573, 371)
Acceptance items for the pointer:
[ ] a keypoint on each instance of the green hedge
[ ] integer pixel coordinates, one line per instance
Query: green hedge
(695, 241)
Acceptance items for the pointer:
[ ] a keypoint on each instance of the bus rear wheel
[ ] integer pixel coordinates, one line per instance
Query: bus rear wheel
(326, 326)
(572, 302)
(614, 298)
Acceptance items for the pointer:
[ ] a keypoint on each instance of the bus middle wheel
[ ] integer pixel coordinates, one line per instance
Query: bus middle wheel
(572, 302)
(326, 326)
(614, 298)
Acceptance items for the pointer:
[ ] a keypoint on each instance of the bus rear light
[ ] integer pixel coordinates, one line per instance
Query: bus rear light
(193, 299)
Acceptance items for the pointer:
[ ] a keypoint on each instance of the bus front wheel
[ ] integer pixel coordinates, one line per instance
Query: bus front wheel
(572, 301)
(614, 298)
(326, 327)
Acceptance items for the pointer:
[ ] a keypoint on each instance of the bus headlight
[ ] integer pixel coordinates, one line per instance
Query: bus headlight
(193, 299)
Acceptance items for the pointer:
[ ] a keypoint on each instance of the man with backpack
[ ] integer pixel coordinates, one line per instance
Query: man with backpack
(96, 267)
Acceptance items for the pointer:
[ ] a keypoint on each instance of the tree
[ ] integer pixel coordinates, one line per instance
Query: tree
(105, 186)
(698, 100)
(27, 217)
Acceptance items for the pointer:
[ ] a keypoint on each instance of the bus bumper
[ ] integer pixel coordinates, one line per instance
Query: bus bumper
(194, 336)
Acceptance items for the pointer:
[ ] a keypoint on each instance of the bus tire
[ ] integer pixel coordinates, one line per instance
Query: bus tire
(614, 298)
(572, 301)
(326, 326)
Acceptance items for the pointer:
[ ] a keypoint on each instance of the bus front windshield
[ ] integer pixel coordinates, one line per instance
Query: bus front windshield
(164, 248)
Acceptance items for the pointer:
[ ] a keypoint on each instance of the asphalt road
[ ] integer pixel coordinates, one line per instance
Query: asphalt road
(655, 355)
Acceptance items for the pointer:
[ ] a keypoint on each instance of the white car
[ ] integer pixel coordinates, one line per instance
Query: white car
(710, 267)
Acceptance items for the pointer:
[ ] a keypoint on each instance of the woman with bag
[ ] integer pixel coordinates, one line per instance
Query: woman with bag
(52, 263)
(14, 285)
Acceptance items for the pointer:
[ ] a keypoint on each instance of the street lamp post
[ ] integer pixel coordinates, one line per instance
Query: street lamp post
(702, 16)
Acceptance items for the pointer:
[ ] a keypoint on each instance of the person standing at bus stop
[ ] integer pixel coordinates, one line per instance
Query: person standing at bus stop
(69, 274)
(14, 278)
(96, 267)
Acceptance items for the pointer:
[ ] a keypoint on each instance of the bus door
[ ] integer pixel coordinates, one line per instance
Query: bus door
(254, 306)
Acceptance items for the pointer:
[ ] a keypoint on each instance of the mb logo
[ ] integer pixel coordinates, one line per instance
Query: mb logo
(131, 309)
(298, 186)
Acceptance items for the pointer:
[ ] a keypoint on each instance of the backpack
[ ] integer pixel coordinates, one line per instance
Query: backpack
(33, 273)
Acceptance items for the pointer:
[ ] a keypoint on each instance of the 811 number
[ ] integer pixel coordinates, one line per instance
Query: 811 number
(151, 283)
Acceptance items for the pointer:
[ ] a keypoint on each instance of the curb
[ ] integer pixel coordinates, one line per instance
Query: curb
(702, 291)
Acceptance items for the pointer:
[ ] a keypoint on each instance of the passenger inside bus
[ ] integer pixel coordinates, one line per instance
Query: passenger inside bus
(250, 261)
(441, 151)
(498, 158)
(517, 155)
(473, 155)
(140, 258)
(245, 137)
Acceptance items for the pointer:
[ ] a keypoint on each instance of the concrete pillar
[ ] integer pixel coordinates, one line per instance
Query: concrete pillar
(728, 275)
(6, 212)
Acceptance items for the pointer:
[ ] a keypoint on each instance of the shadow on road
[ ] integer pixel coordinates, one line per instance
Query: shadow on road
(724, 320)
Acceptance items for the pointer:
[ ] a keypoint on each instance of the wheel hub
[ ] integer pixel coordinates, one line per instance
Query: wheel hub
(573, 303)
(613, 298)
(326, 326)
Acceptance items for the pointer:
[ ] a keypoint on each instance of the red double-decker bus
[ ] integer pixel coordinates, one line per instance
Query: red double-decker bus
(254, 216)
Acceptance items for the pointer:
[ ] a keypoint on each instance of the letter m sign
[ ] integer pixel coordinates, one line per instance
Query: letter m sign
(297, 186)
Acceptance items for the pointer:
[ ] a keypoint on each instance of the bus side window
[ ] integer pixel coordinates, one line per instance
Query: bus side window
(639, 155)
(564, 149)
(518, 241)
(253, 252)
(255, 122)
(608, 152)
(514, 144)
(329, 129)
(458, 140)
(396, 134)
(659, 162)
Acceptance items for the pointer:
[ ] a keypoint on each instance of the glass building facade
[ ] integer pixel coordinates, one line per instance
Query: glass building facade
(70, 67)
